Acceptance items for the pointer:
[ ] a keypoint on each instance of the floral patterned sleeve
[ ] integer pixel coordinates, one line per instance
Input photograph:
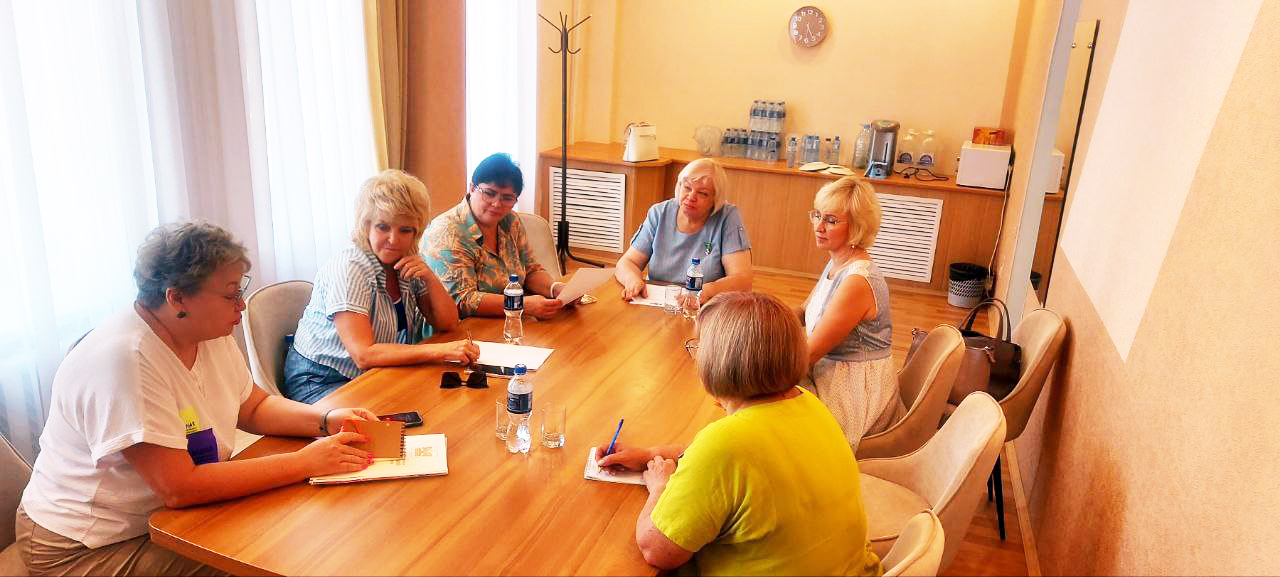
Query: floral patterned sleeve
(454, 262)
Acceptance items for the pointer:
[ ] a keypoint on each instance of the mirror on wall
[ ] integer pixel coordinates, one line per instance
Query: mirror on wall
(1076, 89)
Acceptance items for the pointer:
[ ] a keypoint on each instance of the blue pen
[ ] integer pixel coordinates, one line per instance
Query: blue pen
(615, 438)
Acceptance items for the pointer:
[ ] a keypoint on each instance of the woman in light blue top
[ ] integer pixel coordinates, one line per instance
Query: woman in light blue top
(696, 223)
(847, 314)
(373, 303)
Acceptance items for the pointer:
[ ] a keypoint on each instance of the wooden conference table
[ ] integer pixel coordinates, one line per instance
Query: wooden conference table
(494, 513)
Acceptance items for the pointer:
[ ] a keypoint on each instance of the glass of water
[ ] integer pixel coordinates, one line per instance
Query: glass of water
(553, 426)
(671, 299)
(500, 419)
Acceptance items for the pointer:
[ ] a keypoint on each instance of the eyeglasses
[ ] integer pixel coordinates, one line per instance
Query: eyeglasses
(492, 195)
(453, 380)
(921, 174)
(815, 216)
(240, 292)
(691, 347)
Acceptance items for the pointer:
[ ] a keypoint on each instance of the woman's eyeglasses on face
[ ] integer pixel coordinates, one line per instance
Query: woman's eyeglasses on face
(241, 292)
(691, 347)
(492, 195)
(815, 216)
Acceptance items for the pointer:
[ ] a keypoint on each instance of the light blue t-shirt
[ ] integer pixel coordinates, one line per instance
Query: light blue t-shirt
(670, 250)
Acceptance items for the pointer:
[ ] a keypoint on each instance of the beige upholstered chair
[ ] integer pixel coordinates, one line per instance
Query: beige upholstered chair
(945, 475)
(16, 474)
(270, 313)
(542, 242)
(918, 550)
(924, 385)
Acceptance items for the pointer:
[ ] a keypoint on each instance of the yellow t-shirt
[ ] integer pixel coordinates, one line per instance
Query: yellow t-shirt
(772, 489)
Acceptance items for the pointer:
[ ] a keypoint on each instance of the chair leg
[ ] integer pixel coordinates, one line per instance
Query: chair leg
(999, 487)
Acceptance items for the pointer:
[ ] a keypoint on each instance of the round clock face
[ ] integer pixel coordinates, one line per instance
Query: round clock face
(808, 26)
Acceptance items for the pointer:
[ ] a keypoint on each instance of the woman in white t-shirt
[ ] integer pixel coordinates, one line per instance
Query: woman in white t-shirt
(143, 415)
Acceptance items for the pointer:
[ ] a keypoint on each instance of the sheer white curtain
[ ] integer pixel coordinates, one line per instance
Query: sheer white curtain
(117, 115)
(502, 37)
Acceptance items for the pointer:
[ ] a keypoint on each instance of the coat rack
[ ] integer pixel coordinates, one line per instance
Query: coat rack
(562, 226)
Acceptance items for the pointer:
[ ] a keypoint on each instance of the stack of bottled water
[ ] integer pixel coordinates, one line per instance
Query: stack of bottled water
(765, 130)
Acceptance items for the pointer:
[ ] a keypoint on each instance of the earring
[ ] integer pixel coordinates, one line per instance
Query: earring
(182, 314)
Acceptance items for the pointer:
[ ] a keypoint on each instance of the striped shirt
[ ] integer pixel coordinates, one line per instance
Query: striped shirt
(455, 251)
(354, 281)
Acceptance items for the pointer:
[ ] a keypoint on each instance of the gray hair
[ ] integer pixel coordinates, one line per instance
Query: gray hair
(182, 256)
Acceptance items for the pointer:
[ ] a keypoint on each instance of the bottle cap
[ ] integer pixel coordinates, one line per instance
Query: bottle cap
(513, 278)
(696, 260)
(520, 369)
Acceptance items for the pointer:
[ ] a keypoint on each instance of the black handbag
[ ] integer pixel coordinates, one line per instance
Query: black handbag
(1005, 356)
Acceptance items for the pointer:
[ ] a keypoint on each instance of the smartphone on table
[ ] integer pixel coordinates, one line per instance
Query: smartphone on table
(409, 418)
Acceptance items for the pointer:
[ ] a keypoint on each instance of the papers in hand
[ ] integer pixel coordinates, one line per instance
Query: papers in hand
(505, 355)
(595, 473)
(656, 294)
(423, 455)
(582, 281)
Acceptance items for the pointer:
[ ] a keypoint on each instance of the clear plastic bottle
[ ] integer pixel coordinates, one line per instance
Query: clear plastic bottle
(692, 287)
(782, 115)
(791, 152)
(862, 147)
(773, 148)
(513, 308)
(835, 151)
(906, 151)
(519, 409)
(926, 152)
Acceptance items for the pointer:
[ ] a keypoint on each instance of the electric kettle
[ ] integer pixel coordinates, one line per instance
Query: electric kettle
(642, 142)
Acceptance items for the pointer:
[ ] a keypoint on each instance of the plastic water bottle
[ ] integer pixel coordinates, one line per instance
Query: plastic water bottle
(692, 287)
(835, 151)
(862, 147)
(513, 307)
(519, 409)
(791, 152)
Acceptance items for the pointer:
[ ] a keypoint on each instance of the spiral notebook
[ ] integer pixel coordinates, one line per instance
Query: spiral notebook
(424, 455)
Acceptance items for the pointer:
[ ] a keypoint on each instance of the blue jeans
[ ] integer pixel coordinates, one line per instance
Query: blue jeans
(308, 381)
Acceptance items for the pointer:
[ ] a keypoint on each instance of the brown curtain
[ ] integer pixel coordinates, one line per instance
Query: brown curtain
(387, 41)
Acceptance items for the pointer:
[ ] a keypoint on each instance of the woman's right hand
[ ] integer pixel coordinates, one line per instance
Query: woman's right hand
(334, 454)
(633, 289)
(628, 458)
(463, 351)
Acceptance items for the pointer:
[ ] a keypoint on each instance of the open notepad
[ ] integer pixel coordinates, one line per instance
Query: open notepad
(423, 455)
(656, 294)
(595, 473)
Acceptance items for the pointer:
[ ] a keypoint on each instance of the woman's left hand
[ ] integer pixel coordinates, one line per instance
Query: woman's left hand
(657, 473)
(413, 267)
(338, 416)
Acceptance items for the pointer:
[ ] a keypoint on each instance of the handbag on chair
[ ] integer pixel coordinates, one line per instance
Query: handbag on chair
(991, 364)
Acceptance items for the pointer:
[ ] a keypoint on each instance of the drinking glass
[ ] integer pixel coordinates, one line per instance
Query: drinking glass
(500, 419)
(553, 426)
(671, 299)
(689, 302)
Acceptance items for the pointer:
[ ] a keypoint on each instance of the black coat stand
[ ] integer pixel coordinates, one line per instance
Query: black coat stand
(562, 225)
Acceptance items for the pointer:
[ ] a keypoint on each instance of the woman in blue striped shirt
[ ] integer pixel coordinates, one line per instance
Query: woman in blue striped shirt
(374, 302)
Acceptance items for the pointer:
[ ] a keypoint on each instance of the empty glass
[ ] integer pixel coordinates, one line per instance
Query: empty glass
(671, 299)
(552, 426)
(500, 419)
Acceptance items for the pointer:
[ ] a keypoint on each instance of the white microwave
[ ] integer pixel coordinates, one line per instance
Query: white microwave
(984, 165)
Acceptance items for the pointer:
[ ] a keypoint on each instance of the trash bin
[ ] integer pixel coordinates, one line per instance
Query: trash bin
(966, 284)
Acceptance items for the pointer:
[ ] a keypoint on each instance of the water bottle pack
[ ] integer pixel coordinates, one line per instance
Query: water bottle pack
(761, 139)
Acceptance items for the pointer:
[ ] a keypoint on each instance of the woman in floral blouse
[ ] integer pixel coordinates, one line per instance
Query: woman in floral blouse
(475, 246)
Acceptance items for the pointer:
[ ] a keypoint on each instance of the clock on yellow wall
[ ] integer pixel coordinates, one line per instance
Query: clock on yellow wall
(808, 27)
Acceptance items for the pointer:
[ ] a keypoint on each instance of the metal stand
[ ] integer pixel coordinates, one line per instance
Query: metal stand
(562, 225)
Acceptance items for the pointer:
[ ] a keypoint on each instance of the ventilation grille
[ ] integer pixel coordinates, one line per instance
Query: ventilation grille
(908, 236)
(594, 207)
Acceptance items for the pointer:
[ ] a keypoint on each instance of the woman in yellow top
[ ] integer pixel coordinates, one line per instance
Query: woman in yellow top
(770, 489)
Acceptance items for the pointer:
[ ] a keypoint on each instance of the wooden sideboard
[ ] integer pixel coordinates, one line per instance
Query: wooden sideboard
(774, 199)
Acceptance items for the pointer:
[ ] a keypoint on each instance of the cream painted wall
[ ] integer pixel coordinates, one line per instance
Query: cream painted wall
(1163, 462)
(680, 64)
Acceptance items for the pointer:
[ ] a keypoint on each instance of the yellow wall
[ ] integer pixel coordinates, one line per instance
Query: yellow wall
(1162, 462)
(679, 64)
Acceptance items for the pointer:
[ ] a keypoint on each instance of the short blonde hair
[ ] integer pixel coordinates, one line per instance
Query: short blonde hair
(719, 181)
(392, 193)
(750, 345)
(856, 198)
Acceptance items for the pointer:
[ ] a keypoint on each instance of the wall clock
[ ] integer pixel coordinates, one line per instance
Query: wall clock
(808, 27)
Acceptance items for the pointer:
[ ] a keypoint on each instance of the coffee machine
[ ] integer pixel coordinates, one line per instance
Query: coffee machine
(884, 145)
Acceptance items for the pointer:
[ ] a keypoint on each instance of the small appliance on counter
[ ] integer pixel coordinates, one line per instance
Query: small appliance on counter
(984, 165)
(884, 141)
(642, 142)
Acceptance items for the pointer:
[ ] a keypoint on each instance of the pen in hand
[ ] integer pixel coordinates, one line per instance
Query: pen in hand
(614, 442)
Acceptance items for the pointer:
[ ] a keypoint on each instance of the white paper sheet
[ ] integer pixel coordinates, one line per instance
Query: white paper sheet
(582, 281)
(595, 473)
(505, 355)
(656, 294)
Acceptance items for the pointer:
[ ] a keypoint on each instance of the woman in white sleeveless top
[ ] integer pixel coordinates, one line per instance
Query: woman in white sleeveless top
(847, 314)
